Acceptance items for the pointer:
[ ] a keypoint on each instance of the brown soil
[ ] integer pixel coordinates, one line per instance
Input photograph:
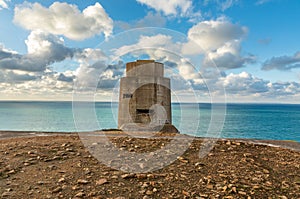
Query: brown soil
(59, 166)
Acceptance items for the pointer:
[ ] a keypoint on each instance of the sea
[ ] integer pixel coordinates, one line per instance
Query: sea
(250, 121)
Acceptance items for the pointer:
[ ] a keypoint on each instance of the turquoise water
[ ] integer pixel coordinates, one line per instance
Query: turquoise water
(259, 121)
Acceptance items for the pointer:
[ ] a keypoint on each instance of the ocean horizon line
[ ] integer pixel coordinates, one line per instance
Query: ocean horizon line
(116, 102)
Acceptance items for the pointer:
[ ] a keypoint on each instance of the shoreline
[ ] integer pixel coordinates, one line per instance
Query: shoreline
(287, 144)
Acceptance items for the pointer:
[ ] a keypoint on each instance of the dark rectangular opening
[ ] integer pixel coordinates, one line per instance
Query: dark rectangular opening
(140, 111)
(127, 95)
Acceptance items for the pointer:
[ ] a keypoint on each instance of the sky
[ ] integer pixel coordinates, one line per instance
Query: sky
(213, 50)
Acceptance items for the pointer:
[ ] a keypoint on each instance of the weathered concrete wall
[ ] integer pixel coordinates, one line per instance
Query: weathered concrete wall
(144, 68)
(144, 94)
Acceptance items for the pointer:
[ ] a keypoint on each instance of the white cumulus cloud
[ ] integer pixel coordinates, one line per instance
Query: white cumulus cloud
(10, 76)
(170, 7)
(213, 34)
(3, 4)
(43, 50)
(283, 62)
(220, 41)
(64, 19)
(244, 83)
(153, 46)
(228, 56)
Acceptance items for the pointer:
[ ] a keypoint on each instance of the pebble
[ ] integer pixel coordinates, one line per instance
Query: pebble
(224, 188)
(233, 189)
(11, 172)
(75, 187)
(70, 149)
(57, 189)
(185, 193)
(209, 186)
(61, 180)
(203, 195)
(285, 184)
(222, 175)
(6, 194)
(266, 171)
(80, 194)
(141, 176)
(64, 144)
(199, 164)
(80, 181)
(126, 176)
(101, 181)
(8, 190)
(256, 187)
(181, 159)
(237, 143)
(242, 193)
(148, 192)
(142, 165)
(268, 183)
(145, 185)
(40, 182)
(283, 197)
(17, 154)
(87, 171)
(92, 194)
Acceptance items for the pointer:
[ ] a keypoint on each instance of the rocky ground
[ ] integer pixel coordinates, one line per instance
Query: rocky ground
(61, 167)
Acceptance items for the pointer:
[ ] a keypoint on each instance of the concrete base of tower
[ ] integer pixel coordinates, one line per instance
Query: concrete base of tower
(139, 127)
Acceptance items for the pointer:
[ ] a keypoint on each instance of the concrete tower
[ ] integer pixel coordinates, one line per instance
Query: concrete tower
(145, 97)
